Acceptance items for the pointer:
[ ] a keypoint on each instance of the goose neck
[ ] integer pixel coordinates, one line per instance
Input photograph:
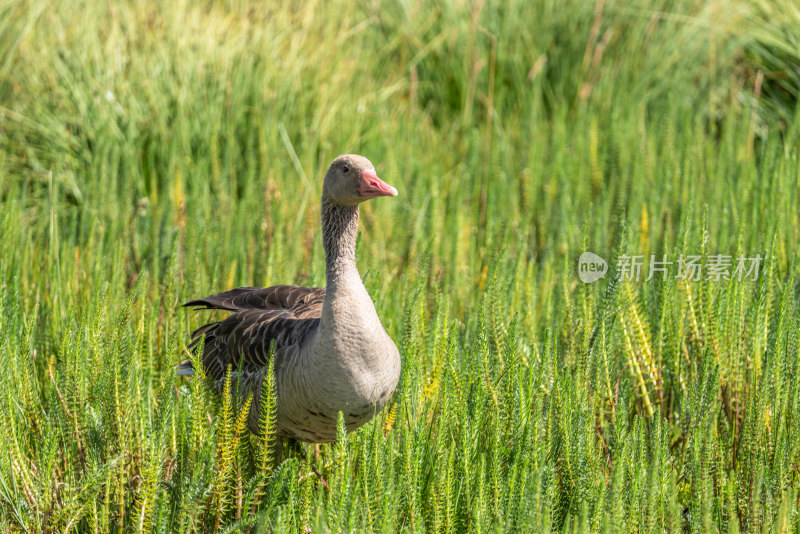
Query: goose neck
(339, 232)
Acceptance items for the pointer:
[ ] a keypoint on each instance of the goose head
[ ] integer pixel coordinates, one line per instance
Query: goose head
(351, 179)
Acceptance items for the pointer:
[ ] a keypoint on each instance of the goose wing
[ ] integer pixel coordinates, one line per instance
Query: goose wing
(284, 315)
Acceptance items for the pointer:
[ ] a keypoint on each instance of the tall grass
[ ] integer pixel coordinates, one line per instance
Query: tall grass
(154, 153)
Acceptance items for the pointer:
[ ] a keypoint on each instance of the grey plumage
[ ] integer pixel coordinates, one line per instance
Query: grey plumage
(332, 353)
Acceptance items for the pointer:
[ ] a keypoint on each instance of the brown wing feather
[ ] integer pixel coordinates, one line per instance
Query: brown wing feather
(281, 314)
(296, 299)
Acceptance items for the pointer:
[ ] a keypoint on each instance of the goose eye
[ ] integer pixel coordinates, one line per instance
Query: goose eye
(345, 169)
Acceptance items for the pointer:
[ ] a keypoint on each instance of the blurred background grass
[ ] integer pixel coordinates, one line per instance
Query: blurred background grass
(493, 121)
(151, 153)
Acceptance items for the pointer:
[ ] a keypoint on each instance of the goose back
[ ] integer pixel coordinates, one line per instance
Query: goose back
(285, 315)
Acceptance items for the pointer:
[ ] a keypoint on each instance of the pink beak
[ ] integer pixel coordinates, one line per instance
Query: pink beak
(371, 186)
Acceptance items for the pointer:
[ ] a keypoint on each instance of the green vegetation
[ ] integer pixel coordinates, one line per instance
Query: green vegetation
(154, 152)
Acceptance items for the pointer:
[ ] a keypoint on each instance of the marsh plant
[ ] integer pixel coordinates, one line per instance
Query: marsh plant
(152, 152)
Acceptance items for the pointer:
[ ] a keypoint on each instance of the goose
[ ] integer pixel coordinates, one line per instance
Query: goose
(332, 354)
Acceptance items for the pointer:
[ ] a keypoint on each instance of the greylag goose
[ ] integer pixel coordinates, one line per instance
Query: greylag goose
(331, 352)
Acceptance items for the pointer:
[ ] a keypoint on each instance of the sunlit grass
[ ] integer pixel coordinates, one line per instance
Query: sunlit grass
(150, 154)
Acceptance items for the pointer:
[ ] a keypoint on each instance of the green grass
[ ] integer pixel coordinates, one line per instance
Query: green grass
(151, 154)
